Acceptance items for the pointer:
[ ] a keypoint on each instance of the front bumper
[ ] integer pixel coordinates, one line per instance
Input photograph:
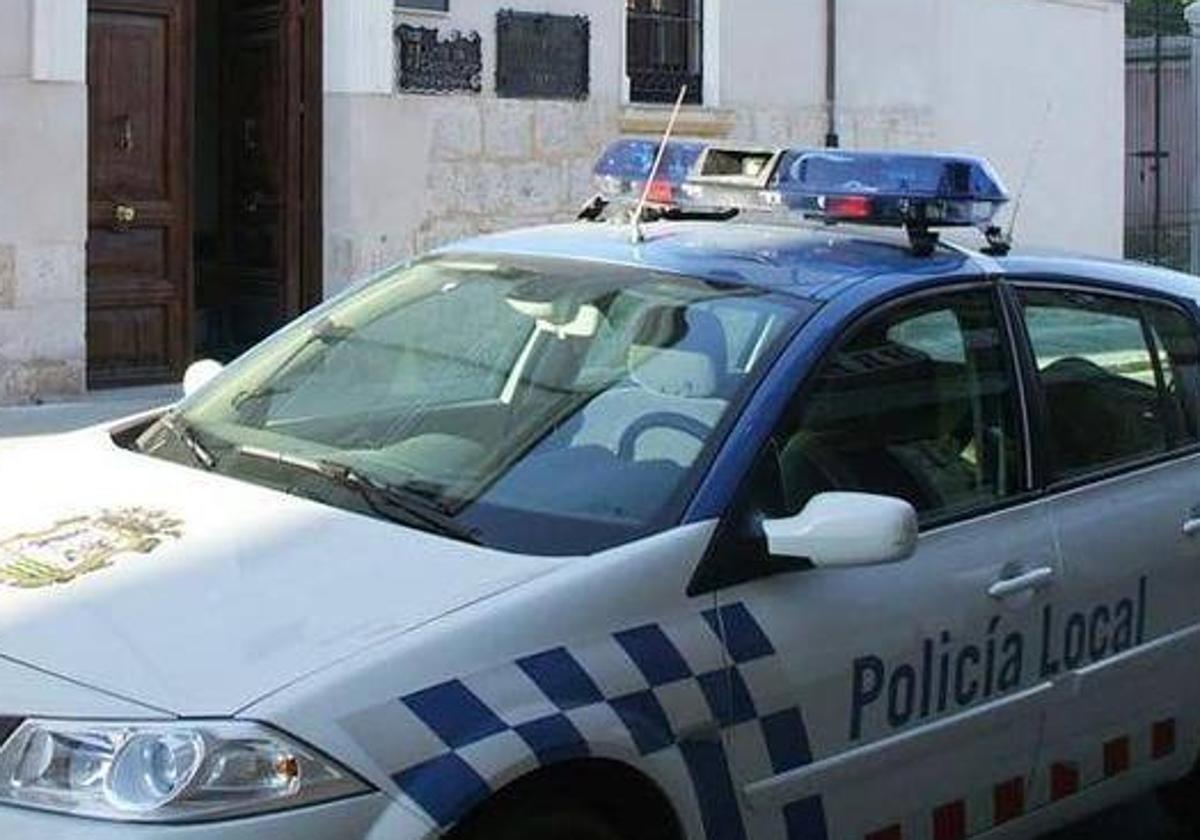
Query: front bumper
(371, 816)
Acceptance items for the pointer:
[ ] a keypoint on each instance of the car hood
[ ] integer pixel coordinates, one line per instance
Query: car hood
(198, 594)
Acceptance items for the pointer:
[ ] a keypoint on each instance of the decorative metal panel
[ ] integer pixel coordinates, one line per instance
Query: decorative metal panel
(429, 63)
(542, 56)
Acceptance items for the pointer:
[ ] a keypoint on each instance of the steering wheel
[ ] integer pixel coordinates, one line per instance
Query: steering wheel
(626, 448)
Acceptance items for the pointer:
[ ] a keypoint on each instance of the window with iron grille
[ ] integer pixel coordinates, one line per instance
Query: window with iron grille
(665, 49)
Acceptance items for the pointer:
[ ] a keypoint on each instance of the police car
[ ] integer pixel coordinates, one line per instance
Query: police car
(685, 527)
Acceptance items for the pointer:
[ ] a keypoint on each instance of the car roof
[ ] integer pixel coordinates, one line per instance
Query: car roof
(813, 263)
(1110, 272)
(817, 263)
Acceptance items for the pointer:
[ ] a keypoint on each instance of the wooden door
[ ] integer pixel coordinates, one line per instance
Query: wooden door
(270, 175)
(139, 215)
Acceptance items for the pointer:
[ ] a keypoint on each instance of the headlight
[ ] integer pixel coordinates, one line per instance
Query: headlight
(169, 772)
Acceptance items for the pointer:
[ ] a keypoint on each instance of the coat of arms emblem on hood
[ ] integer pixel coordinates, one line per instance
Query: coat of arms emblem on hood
(84, 544)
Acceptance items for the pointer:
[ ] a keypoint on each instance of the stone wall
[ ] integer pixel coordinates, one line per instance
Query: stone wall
(462, 166)
(43, 158)
(406, 174)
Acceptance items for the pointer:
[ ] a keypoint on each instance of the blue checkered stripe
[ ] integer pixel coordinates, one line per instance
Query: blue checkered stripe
(653, 683)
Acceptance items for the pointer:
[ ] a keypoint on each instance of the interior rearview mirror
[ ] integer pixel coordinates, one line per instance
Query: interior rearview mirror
(200, 374)
(846, 529)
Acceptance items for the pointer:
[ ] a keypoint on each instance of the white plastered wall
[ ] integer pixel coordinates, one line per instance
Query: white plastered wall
(1054, 121)
(772, 69)
(43, 193)
(1037, 86)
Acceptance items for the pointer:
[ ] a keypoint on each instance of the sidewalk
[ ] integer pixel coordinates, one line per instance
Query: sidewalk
(65, 416)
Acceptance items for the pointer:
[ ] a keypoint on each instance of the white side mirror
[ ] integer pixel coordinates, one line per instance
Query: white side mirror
(846, 529)
(200, 374)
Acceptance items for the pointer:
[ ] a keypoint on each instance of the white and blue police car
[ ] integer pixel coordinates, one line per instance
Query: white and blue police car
(723, 530)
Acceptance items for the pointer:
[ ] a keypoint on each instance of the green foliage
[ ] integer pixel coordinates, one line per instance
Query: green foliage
(1144, 17)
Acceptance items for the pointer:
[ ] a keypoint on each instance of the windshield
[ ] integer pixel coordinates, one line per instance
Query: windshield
(547, 407)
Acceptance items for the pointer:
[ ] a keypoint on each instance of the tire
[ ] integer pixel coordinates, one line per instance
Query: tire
(536, 821)
(1182, 801)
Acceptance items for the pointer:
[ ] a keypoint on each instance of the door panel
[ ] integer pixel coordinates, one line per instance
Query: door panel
(906, 700)
(139, 253)
(129, 101)
(1124, 646)
(1119, 382)
(266, 194)
(919, 694)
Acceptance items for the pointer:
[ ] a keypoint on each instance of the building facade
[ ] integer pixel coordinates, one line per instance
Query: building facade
(179, 177)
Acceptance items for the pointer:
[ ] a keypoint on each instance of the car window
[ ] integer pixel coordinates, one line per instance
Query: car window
(936, 334)
(452, 345)
(919, 403)
(1175, 349)
(748, 333)
(1117, 386)
(490, 386)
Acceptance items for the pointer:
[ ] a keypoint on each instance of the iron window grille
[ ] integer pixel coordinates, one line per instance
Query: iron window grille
(665, 50)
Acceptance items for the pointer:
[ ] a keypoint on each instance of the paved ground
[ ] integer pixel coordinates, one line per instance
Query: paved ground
(48, 418)
(1143, 819)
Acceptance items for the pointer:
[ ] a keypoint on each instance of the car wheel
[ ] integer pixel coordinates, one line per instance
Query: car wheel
(538, 822)
(1182, 802)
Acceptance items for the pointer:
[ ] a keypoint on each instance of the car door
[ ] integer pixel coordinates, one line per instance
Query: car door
(1117, 381)
(899, 700)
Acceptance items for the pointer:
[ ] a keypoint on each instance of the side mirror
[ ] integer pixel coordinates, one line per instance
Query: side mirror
(846, 529)
(200, 374)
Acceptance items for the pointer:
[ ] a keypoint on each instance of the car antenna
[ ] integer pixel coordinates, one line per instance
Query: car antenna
(1000, 242)
(636, 234)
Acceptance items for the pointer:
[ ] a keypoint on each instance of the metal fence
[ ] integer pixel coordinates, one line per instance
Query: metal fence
(1160, 135)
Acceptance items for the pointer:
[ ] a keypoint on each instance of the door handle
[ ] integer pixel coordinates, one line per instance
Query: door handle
(1191, 527)
(1034, 580)
(124, 215)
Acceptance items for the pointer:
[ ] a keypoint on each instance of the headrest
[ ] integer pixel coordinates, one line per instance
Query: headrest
(679, 353)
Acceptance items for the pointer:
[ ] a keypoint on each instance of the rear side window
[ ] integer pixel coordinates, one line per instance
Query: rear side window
(1118, 377)
(1175, 349)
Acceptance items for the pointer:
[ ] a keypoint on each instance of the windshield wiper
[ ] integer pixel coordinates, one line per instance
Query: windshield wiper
(391, 501)
(256, 394)
(179, 427)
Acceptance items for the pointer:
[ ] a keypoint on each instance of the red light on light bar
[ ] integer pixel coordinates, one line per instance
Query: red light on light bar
(661, 192)
(848, 207)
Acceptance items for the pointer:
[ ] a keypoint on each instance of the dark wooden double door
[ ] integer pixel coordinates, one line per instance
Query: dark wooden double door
(141, 294)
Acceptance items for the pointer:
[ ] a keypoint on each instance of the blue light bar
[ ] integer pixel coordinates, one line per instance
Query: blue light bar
(625, 166)
(917, 191)
(882, 188)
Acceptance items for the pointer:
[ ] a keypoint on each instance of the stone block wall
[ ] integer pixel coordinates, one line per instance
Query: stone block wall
(450, 167)
(456, 166)
(530, 164)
